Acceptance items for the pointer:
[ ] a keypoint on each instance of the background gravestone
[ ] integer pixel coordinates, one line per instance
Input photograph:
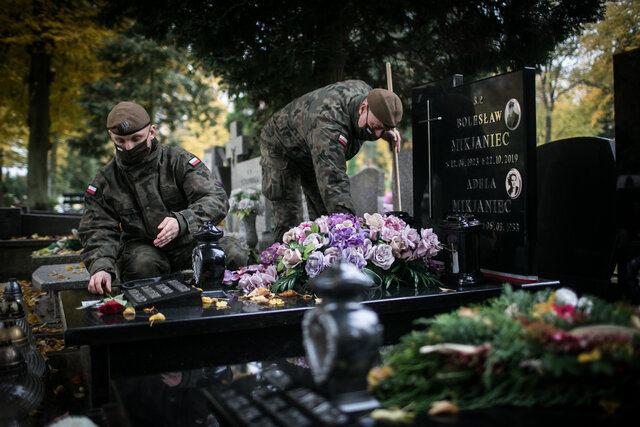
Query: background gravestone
(367, 191)
(479, 137)
(214, 158)
(405, 169)
(247, 174)
(576, 193)
(626, 86)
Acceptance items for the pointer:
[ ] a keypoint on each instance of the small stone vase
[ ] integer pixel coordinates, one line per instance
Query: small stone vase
(248, 224)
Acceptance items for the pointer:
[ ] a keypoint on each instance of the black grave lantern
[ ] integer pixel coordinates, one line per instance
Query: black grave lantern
(341, 338)
(460, 236)
(208, 259)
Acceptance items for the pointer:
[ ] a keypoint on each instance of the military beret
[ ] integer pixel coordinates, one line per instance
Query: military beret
(386, 106)
(127, 118)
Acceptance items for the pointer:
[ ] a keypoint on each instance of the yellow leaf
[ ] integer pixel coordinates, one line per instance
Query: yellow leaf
(158, 317)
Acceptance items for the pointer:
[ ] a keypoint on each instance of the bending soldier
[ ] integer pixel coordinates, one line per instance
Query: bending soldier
(309, 141)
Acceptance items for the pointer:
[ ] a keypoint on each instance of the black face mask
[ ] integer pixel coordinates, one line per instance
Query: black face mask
(135, 155)
(371, 135)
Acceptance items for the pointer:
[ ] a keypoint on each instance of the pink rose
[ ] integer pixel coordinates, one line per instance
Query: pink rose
(323, 224)
(315, 240)
(291, 258)
(374, 221)
(331, 254)
(382, 256)
(289, 236)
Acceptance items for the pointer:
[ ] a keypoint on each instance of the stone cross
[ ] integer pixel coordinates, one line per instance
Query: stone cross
(237, 148)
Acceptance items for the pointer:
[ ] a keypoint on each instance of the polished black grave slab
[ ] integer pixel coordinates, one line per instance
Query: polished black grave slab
(193, 336)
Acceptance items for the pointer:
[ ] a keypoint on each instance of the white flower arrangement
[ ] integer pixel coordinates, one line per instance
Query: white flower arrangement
(245, 201)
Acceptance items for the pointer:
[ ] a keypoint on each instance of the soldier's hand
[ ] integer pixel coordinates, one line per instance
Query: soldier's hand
(393, 138)
(98, 280)
(169, 229)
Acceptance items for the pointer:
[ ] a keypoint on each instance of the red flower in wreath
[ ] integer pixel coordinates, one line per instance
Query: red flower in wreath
(564, 311)
(111, 307)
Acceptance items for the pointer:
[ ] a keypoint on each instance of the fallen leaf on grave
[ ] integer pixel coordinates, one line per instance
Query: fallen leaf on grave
(209, 301)
(34, 318)
(276, 301)
(288, 294)
(158, 317)
(77, 379)
(307, 296)
(392, 416)
(221, 304)
(129, 313)
(78, 395)
(53, 273)
(68, 268)
(441, 407)
(62, 276)
(52, 369)
(259, 292)
(260, 299)
(149, 310)
(58, 390)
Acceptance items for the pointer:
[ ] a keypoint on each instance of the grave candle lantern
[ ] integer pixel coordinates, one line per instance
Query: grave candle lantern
(460, 235)
(208, 259)
(341, 338)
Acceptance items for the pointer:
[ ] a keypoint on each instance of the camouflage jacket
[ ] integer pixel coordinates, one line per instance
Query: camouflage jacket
(128, 202)
(322, 125)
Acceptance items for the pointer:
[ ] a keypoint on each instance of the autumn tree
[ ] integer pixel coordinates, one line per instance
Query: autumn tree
(617, 33)
(576, 84)
(161, 78)
(47, 50)
(553, 83)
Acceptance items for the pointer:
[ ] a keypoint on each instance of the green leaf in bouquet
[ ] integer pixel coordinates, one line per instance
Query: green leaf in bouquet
(373, 275)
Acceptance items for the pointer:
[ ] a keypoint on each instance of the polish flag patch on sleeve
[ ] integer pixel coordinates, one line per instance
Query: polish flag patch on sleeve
(91, 190)
(194, 161)
(342, 140)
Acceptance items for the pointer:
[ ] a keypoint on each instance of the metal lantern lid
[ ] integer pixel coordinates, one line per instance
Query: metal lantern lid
(342, 281)
(13, 288)
(208, 233)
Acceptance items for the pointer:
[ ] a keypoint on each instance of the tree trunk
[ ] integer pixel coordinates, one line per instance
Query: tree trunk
(547, 127)
(39, 123)
(53, 162)
(330, 55)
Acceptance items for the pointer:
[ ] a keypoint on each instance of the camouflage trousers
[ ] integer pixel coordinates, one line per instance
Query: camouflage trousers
(139, 259)
(281, 182)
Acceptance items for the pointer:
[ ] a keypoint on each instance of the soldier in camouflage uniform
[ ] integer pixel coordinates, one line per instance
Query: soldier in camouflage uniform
(143, 206)
(309, 141)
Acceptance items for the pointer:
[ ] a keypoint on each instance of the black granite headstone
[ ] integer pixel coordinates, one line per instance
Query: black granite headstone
(480, 160)
(626, 84)
(576, 215)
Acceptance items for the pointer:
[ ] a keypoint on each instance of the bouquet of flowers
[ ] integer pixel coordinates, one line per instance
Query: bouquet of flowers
(546, 348)
(383, 246)
(245, 201)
